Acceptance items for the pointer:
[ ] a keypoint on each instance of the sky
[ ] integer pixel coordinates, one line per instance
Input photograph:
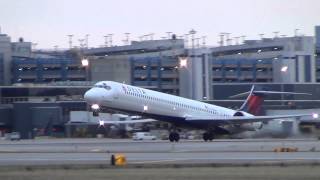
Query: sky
(48, 22)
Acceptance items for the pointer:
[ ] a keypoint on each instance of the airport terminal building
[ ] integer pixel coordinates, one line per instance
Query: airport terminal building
(192, 72)
(53, 82)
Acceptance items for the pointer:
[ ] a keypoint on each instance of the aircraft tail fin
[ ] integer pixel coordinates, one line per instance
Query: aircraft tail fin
(255, 98)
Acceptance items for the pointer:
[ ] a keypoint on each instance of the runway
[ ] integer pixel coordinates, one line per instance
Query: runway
(99, 151)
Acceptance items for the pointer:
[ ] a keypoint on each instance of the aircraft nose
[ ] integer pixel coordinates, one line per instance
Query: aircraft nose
(92, 97)
(98, 95)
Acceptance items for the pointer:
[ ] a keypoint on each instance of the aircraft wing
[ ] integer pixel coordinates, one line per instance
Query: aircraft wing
(243, 119)
(129, 122)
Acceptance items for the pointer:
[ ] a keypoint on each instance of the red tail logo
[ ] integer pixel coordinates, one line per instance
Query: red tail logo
(254, 104)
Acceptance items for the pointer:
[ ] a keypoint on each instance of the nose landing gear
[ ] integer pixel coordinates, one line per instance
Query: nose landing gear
(95, 109)
(95, 113)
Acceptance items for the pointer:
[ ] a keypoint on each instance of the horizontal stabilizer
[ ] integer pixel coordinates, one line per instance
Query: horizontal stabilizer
(255, 98)
(245, 94)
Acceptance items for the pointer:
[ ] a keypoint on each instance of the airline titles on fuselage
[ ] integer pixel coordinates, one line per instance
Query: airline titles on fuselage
(127, 89)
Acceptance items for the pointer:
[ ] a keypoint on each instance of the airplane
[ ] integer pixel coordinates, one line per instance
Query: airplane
(182, 112)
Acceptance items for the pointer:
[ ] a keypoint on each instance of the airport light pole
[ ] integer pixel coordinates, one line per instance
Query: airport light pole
(186, 36)
(169, 34)
(85, 63)
(243, 38)
(141, 38)
(81, 42)
(56, 48)
(261, 36)
(34, 45)
(198, 42)
(87, 41)
(151, 36)
(236, 40)
(284, 70)
(70, 40)
(204, 41)
(110, 39)
(106, 40)
(193, 79)
(296, 32)
(127, 38)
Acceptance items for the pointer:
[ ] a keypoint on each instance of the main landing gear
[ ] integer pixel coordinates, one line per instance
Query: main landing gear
(208, 136)
(174, 137)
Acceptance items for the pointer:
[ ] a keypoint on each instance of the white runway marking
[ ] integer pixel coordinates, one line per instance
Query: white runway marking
(96, 150)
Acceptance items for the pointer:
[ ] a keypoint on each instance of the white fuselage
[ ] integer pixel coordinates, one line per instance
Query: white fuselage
(174, 109)
(135, 99)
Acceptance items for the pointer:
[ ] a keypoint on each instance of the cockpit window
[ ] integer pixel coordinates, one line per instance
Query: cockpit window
(103, 86)
(107, 87)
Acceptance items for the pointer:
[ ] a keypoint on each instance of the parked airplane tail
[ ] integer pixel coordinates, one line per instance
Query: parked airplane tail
(255, 98)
